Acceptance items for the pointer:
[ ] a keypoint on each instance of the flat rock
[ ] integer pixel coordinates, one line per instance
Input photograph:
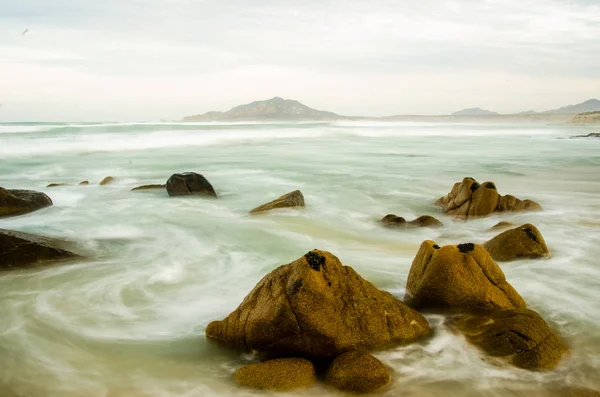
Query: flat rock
(501, 226)
(18, 250)
(288, 200)
(524, 241)
(315, 307)
(19, 202)
(358, 372)
(278, 375)
(148, 187)
(460, 277)
(57, 184)
(189, 183)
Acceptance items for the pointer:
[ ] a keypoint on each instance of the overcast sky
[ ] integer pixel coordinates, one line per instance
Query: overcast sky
(164, 59)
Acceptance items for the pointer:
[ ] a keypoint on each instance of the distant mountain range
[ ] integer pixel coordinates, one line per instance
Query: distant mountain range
(272, 109)
(279, 109)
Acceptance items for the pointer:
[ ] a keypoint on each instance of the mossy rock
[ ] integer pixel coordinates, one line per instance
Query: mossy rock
(358, 372)
(524, 241)
(278, 375)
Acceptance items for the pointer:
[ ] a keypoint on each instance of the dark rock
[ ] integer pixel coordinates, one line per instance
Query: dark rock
(57, 184)
(334, 310)
(278, 375)
(358, 372)
(19, 250)
(148, 187)
(590, 135)
(189, 183)
(19, 202)
(524, 241)
(466, 247)
(289, 200)
(394, 221)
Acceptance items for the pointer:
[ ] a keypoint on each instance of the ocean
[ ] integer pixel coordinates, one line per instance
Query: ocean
(129, 319)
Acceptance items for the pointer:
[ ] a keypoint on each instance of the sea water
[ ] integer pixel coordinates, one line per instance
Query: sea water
(129, 319)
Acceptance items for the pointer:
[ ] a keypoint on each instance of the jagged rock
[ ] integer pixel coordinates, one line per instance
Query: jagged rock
(501, 225)
(189, 183)
(19, 202)
(524, 241)
(289, 200)
(315, 307)
(358, 372)
(22, 249)
(278, 375)
(57, 184)
(519, 333)
(460, 277)
(395, 221)
(83, 183)
(469, 199)
(148, 187)
(107, 180)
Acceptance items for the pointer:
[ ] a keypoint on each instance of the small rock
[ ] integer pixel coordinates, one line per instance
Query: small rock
(358, 372)
(107, 180)
(392, 220)
(524, 241)
(148, 187)
(57, 184)
(289, 200)
(83, 183)
(189, 183)
(426, 221)
(19, 202)
(278, 375)
(395, 221)
(501, 225)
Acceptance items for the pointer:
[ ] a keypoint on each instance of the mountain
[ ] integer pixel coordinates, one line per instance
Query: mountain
(591, 105)
(474, 112)
(272, 109)
(526, 113)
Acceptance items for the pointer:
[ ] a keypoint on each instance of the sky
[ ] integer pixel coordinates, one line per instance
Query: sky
(134, 60)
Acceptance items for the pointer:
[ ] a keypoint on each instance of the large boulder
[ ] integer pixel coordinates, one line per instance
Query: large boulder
(189, 183)
(316, 307)
(524, 241)
(278, 375)
(289, 200)
(22, 249)
(394, 221)
(460, 277)
(521, 334)
(470, 199)
(358, 372)
(19, 202)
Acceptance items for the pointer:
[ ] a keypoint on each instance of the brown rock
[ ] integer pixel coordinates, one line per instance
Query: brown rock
(463, 278)
(519, 333)
(426, 221)
(83, 183)
(189, 183)
(57, 184)
(278, 375)
(394, 221)
(22, 249)
(469, 199)
(19, 202)
(358, 372)
(318, 308)
(524, 241)
(501, 225)
(148, 187)
(107, 180)
(289, 200)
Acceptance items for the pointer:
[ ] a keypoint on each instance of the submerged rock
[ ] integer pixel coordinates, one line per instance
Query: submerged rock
(83, 183)
(148, 187)
(519, 333)
(460, 277)
(19, 202)
(278, 375)
(107, 180)
(501, 225)
(57, 184)
(315, 307)
(289, 200)
(358, 372)
(189, 183)
(22, 249)
(525, 241)
(470, 199)
(395, 221)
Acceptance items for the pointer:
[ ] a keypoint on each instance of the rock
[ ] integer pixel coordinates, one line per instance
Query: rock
(460, 277)
(289, 200)
(83, 183)
(315, 307)
(19, 202)
(189, 183)
(501, 225)
(148, 187)
(524, 241)
(469, 199)
(279, 375)
(590, 135)
(57, 184)
(22, 249)
(107, 180)
(519, 333)
(566, 391)
(358, 372)
(395, 221)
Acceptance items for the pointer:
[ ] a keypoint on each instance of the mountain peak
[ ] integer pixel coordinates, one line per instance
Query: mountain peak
(591, 105)
(474, 112)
